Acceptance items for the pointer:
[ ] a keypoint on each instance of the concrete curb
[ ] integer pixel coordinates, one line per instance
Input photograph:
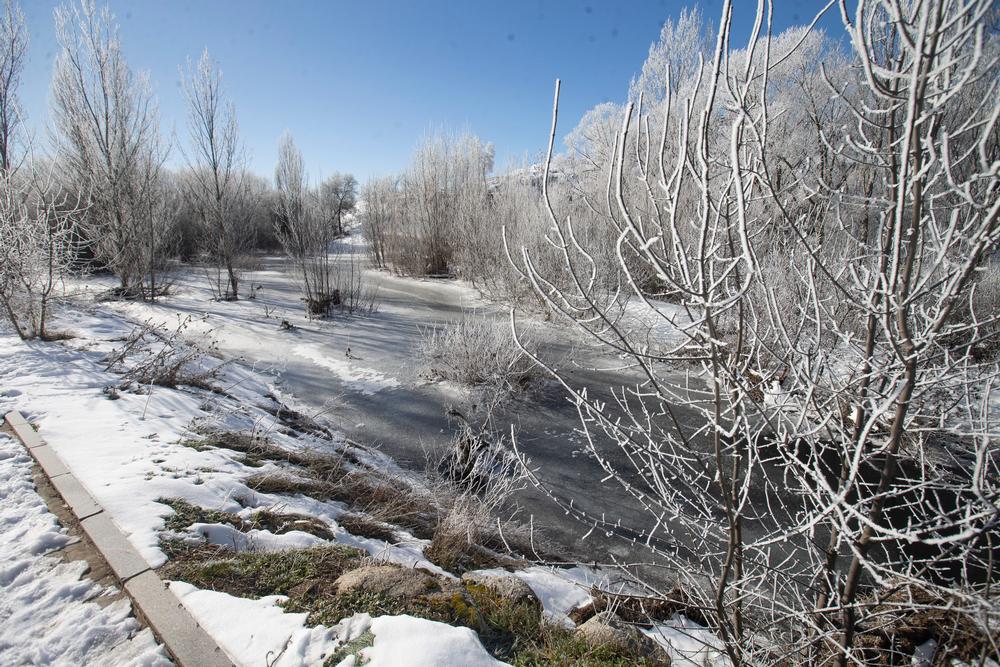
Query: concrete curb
(186, 641)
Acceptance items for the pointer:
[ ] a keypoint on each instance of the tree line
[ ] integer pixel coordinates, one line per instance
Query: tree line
(102, 198)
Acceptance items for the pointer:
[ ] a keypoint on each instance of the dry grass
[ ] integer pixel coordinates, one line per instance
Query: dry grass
(461, 525)
(363, 526)
(283, 483)
(258, 574)
(457, 544)
(185, 514)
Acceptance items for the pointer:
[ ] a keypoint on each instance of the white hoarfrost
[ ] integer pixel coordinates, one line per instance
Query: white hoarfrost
(50, 613)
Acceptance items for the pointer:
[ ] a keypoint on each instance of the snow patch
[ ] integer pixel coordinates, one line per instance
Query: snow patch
(356, 378)
(689, 644)
(264, 634)
(48, 615)
(405, 641)
(254, 540)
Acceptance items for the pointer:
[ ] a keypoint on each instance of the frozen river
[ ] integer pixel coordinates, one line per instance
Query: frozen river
(365, 375)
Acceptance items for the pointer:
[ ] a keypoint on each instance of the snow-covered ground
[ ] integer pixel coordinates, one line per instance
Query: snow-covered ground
(405, 641)
(50, 612)
(128, 453)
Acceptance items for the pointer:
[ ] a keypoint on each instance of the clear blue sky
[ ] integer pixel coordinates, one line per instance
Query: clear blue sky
(359, 83)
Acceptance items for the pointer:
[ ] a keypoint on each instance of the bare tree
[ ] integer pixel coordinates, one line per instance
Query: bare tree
(929, 124)
(13, 46)
(303, 232)
(441, 198)
(837, 482)
(379, 217)
(217, 162)
(338, 195)
(108, 140)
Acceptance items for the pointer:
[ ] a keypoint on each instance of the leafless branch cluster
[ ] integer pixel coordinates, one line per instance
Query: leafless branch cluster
(217, 181)
(416, 223)
(37, 244)
(477, 350)
(155, 354)
(37, 216)
(13, 48)
(331, 277)
(108, 142)
(813, 444)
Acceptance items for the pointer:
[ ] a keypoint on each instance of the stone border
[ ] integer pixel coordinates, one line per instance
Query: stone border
(186, 641)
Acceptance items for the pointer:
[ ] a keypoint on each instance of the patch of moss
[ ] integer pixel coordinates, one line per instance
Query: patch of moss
(512, 625)
(329, 609)
(258, 574)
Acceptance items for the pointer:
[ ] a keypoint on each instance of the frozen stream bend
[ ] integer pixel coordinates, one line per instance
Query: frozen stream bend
(377, 394)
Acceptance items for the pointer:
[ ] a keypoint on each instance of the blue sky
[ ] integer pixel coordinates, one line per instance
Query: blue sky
(359, 83)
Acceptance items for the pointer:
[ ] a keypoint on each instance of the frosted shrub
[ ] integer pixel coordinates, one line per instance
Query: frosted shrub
(477, 350)
(37, 242)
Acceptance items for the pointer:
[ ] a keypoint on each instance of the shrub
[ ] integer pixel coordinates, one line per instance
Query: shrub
(477, 350)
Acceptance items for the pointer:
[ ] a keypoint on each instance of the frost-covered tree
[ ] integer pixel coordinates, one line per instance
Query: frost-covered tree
(107, 136)
(217, 177)
(37, 244)
(808, 424)
(303, 231)
(593, 140)
(13, 47)
(441, 199)
(379, 217)
(677, 53)
(338, 195)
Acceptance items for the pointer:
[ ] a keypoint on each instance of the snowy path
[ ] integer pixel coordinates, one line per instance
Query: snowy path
(50, 613)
